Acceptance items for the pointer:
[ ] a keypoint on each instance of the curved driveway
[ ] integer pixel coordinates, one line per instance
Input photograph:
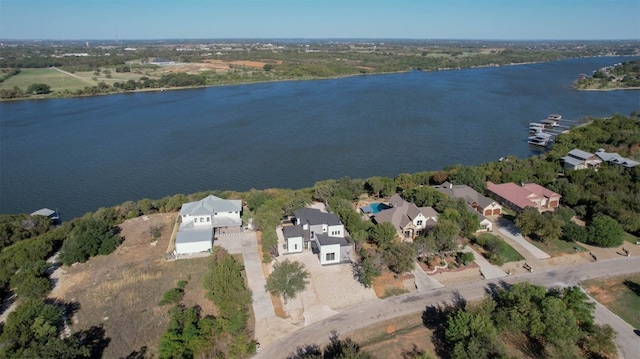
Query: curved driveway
(375, 312)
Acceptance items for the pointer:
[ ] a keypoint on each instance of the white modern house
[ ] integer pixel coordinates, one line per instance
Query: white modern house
(201, 219)
(322, 232)
(316, 221)
(294, 239)
(332, 250)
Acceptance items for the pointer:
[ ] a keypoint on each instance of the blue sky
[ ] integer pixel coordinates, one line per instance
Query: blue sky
(415, 19)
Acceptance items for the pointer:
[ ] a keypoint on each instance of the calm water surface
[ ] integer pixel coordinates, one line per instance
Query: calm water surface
(81, 154)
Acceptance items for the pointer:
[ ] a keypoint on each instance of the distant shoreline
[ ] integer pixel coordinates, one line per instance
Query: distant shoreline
(164, 89)
(609, 89)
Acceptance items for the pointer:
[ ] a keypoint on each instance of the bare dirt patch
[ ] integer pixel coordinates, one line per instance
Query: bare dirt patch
(390, 283)
(121, 291)
(391, 339)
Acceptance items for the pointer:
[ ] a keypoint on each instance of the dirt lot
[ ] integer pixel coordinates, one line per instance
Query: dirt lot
(121, 291)
(217, 65)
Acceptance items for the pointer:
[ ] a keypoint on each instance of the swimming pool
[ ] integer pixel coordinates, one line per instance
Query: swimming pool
(375, 208)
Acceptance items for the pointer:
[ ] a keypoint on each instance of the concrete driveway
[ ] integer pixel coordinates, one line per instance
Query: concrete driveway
(488, 270)
(246, 244)
(508, 229)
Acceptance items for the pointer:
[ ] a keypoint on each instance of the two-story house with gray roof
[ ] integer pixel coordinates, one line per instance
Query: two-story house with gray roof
(408, 219)
(322, 232)
(201, 219)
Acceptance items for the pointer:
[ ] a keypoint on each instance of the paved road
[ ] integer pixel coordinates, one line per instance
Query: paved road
(375, 312)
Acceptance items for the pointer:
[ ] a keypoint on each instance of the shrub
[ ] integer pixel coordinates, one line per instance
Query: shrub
(172, 296)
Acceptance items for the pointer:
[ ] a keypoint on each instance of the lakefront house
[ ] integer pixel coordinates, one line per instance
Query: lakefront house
(202, 220)
(408, 219)
(322, 232)
(519, 197)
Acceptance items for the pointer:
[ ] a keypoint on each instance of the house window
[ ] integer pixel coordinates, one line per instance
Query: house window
(419, 222)
(208, 219)
(330, 256)
(295, 247)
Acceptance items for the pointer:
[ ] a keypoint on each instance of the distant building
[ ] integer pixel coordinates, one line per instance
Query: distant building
(578, 159)
(616, 159)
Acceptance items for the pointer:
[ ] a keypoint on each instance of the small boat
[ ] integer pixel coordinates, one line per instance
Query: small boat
(555, 117)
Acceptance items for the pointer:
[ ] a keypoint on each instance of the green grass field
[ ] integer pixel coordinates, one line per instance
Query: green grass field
(57, 80)
(620, 294)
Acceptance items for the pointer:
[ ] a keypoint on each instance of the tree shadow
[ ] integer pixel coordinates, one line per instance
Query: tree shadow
(337, 348)
(340, 348)
(308, 351)
(493, 289)
(434, 317)
(414, 352)
(635, 287)
(7, 302)
(458, 301)
(94, 338)
(138, 354)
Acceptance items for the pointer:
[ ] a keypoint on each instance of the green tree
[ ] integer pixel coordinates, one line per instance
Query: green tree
(445, 234)
(549, 227)
(605, 231)
(287, 279)
(383, 234)
(528, 220)
(365, 270)
(600, 341)
(226, 288)
(90, 237)
(39, 89)
(400, 257)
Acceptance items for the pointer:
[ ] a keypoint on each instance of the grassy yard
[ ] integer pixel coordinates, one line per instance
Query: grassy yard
(620, 294)
(631, 238)
(504, 250)
(559, 247)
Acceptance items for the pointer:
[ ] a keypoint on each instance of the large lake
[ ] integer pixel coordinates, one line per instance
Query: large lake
(84, 153)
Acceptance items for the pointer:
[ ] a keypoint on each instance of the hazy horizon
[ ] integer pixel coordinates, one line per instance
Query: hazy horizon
(490, 20)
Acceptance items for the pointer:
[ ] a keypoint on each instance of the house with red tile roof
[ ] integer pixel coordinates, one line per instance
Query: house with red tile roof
(519, 197)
